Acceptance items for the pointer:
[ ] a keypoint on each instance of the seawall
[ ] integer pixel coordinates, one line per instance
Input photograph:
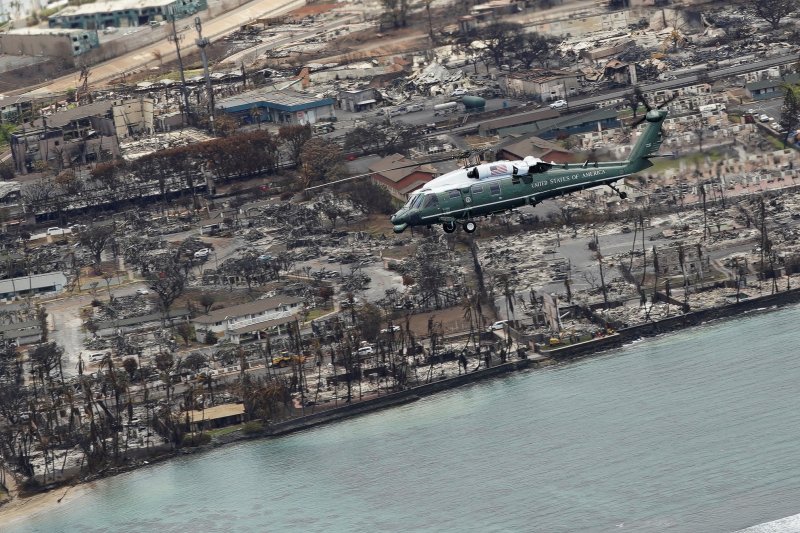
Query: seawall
(381, 402)
(673, 323)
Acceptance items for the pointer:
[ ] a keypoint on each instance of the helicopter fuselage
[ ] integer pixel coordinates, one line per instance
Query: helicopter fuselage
(465, 194)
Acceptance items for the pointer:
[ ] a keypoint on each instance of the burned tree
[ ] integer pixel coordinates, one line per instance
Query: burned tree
(167, 278)
(294, 136)
(95, 238)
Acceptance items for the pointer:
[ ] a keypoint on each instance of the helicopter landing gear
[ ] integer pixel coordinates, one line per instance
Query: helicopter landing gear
(469, 226)
(449, 227)
(622, 195)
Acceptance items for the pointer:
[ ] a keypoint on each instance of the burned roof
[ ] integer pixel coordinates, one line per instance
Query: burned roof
(541, 75)
(62, 118)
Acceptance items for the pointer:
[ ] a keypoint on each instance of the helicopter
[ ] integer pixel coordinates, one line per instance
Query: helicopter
(460, 196)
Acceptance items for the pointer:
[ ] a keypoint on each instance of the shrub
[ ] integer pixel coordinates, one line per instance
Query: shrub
(196, 439)
(210, 338)
(253, 427)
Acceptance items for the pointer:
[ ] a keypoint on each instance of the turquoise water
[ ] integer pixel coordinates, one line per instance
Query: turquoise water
(696, 431)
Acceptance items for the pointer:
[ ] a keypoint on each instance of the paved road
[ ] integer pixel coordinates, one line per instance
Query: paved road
(213, 29)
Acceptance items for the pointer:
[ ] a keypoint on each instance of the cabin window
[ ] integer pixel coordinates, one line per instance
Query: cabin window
(494, 189)
(431, 201)
(477, 189)
(455, 193)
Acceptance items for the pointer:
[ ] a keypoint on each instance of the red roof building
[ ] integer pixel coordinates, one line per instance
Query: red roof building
(400, 175)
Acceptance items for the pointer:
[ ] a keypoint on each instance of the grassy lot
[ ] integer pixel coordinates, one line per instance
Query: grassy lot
(224, 431)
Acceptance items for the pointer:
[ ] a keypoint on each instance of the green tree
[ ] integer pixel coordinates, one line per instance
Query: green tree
(790, 110)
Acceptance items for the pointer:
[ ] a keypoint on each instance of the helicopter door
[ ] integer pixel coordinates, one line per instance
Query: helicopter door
(455, 201)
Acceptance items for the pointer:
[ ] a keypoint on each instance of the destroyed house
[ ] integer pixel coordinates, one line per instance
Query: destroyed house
(696, 261)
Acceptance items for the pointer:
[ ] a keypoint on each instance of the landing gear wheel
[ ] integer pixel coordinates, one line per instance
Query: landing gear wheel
(449, 227)
(623, 195)
(470, 226)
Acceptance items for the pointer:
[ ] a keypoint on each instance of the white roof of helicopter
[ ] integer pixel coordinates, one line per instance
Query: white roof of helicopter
(457, 179)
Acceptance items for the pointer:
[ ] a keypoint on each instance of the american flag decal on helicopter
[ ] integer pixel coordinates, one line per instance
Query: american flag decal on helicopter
(498, 170)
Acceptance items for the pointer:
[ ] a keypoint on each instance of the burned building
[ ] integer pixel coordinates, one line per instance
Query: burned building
(80, 135)
(542, 84)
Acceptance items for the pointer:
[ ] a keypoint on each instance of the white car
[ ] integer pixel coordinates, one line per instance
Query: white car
(763, 117)
(500, 324)
(558, 104)
(202, 253)
(393, 328)
(459, 92)
(142, 292)
(365, 350)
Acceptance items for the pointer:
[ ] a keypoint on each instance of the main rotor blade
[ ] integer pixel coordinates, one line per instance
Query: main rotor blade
(382, 170)
(638, 92)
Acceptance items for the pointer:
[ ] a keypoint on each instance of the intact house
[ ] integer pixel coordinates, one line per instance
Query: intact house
(771, 88)
(268, 316)
(401, 176)
(536, 147)
(358, 99)
(267, 105)
(51, 282)
(80, 135)
(542, 84)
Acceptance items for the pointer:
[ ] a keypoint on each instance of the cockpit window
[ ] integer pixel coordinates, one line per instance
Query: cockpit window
(414, 201)
(431, 201)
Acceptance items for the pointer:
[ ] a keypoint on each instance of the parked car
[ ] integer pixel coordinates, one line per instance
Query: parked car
(202, 253)
(110, 29)
(392, 329)
(500, 324)
(558, 104)
(142, 292)
(763, 117)
(459, 92)
(365, 350)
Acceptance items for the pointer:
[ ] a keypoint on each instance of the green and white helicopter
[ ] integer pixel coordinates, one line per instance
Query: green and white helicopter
(461, 196)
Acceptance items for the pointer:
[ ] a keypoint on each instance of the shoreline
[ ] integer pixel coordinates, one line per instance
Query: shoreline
(19, 508)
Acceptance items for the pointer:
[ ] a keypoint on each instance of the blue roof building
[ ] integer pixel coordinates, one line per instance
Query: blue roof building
(123, 13)
(279, 107)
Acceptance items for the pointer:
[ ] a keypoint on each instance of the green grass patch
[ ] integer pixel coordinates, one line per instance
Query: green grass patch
(223, 431)
(316, 313)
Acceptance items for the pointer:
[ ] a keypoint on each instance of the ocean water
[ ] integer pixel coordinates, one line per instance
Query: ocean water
(696, 431)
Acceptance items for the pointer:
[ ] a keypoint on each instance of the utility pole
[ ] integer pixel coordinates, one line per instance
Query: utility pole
(184, 93)
(202, 42)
